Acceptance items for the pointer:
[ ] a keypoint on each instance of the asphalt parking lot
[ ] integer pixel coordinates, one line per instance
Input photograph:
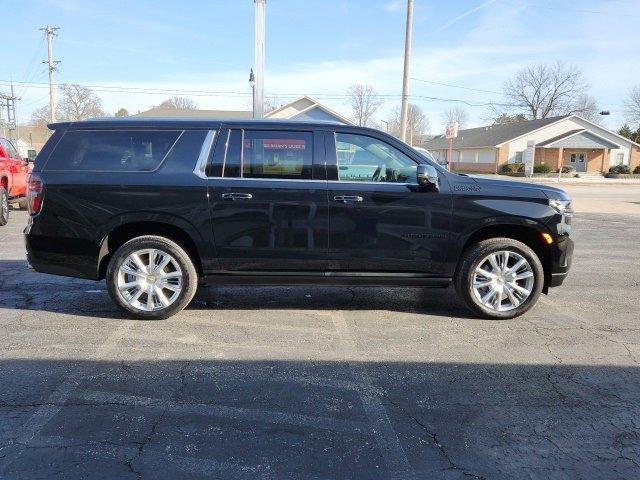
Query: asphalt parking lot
(329, 383)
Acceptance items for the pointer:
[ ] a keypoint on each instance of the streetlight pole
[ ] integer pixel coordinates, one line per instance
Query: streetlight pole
(252, 82)
(404, 110)
(258, 91)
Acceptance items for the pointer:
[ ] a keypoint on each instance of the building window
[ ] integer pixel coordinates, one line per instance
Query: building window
(619, 159)
(518, 157)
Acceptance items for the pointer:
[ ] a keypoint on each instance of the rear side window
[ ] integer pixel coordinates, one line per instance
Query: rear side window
(112, 150)
(263, 154)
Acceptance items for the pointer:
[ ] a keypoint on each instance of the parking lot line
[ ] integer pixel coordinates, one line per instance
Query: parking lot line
(224, 411)
(52, 405)
(386, 437)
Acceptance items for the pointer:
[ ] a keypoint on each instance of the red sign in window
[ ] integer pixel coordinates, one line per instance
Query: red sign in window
(279, 144)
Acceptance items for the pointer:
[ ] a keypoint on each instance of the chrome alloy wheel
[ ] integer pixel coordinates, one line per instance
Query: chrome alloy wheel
(502, 281)
(149, 280)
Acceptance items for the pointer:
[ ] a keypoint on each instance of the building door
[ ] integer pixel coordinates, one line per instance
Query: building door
(578, 160)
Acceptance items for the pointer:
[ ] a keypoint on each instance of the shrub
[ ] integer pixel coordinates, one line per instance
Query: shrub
(568, 169)
(637, 170)
(512, 168)
(542, 168)
(620, 169)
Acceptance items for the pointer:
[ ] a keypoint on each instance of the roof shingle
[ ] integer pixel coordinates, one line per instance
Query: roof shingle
(491, 135)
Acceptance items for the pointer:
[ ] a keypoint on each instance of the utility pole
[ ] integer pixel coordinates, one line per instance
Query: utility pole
(8, 101)
(51, 32)
(258, 89)
(404, 110)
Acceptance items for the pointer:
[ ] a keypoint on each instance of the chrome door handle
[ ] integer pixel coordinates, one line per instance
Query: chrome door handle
(237, 196)
(348, 198)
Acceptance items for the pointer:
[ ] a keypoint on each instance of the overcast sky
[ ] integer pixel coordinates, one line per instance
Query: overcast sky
(319, 48)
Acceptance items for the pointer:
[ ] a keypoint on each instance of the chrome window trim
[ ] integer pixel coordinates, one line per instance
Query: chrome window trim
(201, 165)
(341, 182)
(250, 179)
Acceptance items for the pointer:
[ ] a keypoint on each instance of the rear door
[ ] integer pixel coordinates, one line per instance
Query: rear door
(268, 200)
(380, 221)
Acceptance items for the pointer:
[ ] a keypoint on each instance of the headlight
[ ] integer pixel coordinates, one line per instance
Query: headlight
(563, 207)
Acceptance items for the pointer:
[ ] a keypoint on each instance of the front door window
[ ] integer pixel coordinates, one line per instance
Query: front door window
(367, 159)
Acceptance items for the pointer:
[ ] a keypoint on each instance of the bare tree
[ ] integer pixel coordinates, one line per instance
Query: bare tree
(456, 114)
(417, 124)
(541, 91)
(179, 103)
(364, 103)
(633, 104)
(586, 107)
(75, 103)
(41, 116)
(272, 103)
(78, 103)
(505, 118)
(122, 112)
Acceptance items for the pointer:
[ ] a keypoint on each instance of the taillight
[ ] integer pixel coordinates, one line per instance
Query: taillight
(35, 193)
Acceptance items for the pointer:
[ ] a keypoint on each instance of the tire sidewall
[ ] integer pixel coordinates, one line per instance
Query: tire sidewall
(189, 276)
(4, 207)
(477, 254)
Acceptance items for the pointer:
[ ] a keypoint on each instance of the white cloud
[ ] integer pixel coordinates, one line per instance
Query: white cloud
(394, 5)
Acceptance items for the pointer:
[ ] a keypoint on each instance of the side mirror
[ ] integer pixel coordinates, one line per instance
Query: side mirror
(427, 177)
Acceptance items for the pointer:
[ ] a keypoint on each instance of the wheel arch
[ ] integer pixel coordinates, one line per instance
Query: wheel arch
(124, 232)
(526, 231)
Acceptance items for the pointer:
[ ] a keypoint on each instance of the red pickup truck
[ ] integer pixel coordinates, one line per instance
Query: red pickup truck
(13, 178)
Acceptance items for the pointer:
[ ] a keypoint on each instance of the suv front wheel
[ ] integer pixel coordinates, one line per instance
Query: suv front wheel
(500, 278)
(151, 278)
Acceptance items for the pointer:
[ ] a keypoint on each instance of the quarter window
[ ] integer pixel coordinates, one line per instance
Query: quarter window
(366, 159)
(112, 150)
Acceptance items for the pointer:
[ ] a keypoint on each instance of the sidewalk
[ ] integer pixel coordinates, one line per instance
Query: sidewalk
(588, 180)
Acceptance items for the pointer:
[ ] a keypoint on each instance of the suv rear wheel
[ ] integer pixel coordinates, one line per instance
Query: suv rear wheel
(151, 278)
(500, 278)
(4, 207)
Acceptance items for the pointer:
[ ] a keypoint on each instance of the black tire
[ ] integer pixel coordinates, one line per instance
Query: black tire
(470, 260)
(23, 204)
(4, 207)
(189, 276)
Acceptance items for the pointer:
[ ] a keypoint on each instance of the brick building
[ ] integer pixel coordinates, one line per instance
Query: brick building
(567, 140)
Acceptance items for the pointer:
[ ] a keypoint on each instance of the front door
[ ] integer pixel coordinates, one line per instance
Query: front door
(379, 220)
(578, 161)
(268, 203)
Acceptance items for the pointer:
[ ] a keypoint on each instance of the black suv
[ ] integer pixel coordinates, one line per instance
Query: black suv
(157, 206)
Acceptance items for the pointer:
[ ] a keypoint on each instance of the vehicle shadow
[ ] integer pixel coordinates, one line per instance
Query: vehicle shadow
(21, 288)
(293, 419)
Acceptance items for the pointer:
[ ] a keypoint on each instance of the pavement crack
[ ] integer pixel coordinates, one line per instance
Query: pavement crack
(435, 441)
(152, 432)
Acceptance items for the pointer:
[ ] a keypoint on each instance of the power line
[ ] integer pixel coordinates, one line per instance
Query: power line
(456, 86)
(213, 93)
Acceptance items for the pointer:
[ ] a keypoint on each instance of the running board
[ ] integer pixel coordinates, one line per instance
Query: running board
(373, 279)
